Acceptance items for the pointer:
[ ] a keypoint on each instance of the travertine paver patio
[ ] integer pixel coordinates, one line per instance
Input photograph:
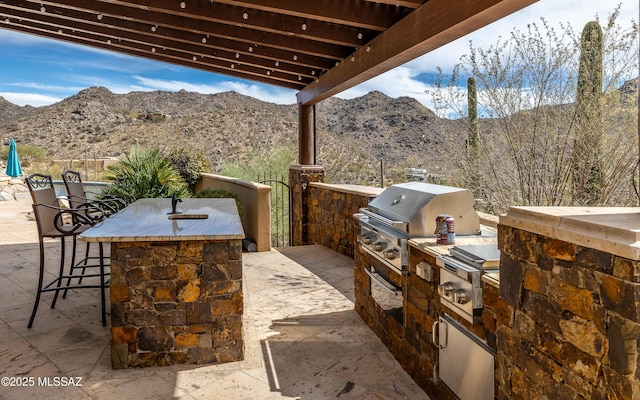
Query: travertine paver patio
(302, 338)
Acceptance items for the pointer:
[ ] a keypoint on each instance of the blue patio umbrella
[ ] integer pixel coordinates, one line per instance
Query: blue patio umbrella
(14, 169)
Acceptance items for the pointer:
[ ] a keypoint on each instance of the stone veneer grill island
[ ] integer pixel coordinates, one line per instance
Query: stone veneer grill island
(571, 279)
(562, 315)
(176, 284)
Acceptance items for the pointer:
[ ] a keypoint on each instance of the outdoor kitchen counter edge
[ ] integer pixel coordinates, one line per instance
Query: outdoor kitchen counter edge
(614, 230)
(148, 220)
(429, 246)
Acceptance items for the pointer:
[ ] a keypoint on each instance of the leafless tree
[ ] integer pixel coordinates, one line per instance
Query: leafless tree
(526, 96)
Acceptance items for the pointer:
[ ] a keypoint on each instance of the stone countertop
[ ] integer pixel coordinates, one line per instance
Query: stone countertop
(488, 235)
(614, 230)
(352, 189)
(148, 220)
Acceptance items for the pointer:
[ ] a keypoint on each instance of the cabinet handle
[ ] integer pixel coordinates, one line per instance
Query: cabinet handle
(435, 337)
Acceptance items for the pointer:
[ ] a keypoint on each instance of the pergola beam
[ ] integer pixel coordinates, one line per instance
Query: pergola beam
(206, 12)
(403, 3)
(434, 24)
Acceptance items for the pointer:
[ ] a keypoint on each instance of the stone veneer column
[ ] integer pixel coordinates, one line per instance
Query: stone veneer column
(572, 276)
(299, 178)
(176, 302)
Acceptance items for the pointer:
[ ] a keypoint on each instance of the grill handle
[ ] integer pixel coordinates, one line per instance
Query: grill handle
(396, 224)
(382, 282)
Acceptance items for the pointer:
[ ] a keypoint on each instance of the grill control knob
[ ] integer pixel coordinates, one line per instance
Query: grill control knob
(365, 239)
(389, 254)
(445, 289)
(459, 296)
(379, 246)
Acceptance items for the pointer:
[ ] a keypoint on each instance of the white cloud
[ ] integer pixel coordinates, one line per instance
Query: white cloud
(576, 13)
(401, 81)
(44, 87)
(262, 92)
(32, 99)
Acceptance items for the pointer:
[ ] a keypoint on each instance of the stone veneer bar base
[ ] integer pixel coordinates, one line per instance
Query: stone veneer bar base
(176, 302)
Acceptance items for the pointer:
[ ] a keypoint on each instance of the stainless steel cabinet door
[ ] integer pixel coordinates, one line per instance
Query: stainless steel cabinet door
(466, 363)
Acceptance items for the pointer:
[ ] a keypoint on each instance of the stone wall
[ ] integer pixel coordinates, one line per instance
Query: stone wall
(330, 210)
(11, 188)
(299, 178)
(575, 330)
(176, 302)
(323, 213)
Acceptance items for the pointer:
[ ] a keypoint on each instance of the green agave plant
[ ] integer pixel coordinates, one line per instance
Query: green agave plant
(144, 174)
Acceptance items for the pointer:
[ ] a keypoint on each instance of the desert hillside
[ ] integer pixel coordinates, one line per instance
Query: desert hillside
(232, 128)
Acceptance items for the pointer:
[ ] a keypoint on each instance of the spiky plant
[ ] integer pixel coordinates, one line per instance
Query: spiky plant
(587, 157)
(144, 174)
(473, 138)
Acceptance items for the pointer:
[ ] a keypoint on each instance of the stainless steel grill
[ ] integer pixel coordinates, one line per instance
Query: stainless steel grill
(409, 210)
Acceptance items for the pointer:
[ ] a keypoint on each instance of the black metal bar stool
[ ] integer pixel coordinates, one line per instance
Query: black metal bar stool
(56, 222)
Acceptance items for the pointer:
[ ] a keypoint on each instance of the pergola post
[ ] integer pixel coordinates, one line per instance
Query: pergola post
(306, 134)
(301, 175)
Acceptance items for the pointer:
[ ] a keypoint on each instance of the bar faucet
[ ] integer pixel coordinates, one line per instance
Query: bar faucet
(174, 203)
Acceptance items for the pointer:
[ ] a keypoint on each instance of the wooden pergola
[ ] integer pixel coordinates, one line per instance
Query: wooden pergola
(318, 47)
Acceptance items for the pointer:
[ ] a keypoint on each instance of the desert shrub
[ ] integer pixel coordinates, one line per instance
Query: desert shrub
(257, 165)
(222, 194)
(27, 153)
(189, 163)
(144, 174)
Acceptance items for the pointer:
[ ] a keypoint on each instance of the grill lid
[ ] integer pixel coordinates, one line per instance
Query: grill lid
(420, 203)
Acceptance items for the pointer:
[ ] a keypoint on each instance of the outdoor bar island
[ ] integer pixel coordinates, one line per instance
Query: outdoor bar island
(176, 282)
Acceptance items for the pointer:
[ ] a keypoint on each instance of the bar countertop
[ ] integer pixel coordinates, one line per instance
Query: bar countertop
(149, 220)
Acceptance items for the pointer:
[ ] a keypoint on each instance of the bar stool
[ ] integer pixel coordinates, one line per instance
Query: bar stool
(79, 197)
(57, 222)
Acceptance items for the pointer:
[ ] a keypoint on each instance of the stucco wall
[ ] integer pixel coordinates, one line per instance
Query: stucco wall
(256, 199)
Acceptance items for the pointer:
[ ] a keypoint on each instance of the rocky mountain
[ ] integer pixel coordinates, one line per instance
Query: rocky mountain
(229, 127)
(10, 111)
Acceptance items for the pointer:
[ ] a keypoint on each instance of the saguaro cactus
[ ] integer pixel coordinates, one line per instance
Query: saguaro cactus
(473, 138)
(587, 153)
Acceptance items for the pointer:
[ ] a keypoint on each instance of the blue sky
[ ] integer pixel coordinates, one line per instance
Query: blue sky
(38, 71)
